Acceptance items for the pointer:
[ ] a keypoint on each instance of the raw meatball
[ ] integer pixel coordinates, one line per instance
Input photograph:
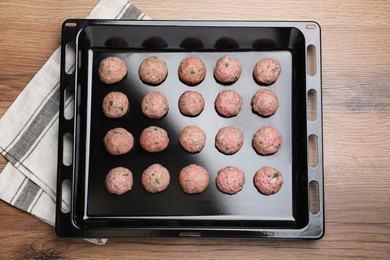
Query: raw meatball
(153, 70)
(193, 179)
(118, 141)
(230, 180)
(112, 70)
(266, 71)
(228, 103)
(265, 102)
(192, 70)
(267, 140)
(115, 104)
(229, 140)
(268, 180)
(154, 105)
(155, 178)
(119, 180)
(154, 139)
(191, 103)
(227, 70)
(192, 139)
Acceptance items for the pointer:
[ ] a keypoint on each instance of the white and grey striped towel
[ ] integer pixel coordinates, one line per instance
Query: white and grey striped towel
(29, 131)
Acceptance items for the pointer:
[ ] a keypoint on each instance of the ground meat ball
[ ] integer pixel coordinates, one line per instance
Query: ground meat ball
(228, 103)
(267, 140)
(115, 104)
(118, 141)
(227, 70)
(267, 71)
(112, 70)
(191, 103)
(265, 102)
(119, 180)
(154, 105)
(229, 140)
(155, 178)
(154, 139)
(153, 70)
(192, 139)
(230, 180)
(192, 71)
(193, 179)
(268, 180)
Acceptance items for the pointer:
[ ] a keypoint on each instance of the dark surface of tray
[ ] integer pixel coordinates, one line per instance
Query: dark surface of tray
(94, 212)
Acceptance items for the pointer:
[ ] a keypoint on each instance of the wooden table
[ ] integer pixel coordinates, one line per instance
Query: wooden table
(356, 117)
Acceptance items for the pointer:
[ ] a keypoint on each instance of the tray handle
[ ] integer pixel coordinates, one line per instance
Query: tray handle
(67, 110)
(315, 183)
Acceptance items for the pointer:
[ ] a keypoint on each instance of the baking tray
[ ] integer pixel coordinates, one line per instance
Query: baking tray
(94, 212)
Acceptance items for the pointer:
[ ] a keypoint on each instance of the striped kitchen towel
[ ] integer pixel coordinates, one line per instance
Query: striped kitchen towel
(29, 131)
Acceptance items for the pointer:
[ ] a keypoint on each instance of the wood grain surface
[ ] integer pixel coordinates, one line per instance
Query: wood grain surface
(356, 118)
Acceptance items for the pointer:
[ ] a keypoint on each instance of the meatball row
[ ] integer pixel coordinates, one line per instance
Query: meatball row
(229, 140)
(155, 104)
(191, 71)
(194, 179)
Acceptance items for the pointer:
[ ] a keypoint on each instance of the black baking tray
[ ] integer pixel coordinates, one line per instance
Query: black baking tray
(94, 212)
